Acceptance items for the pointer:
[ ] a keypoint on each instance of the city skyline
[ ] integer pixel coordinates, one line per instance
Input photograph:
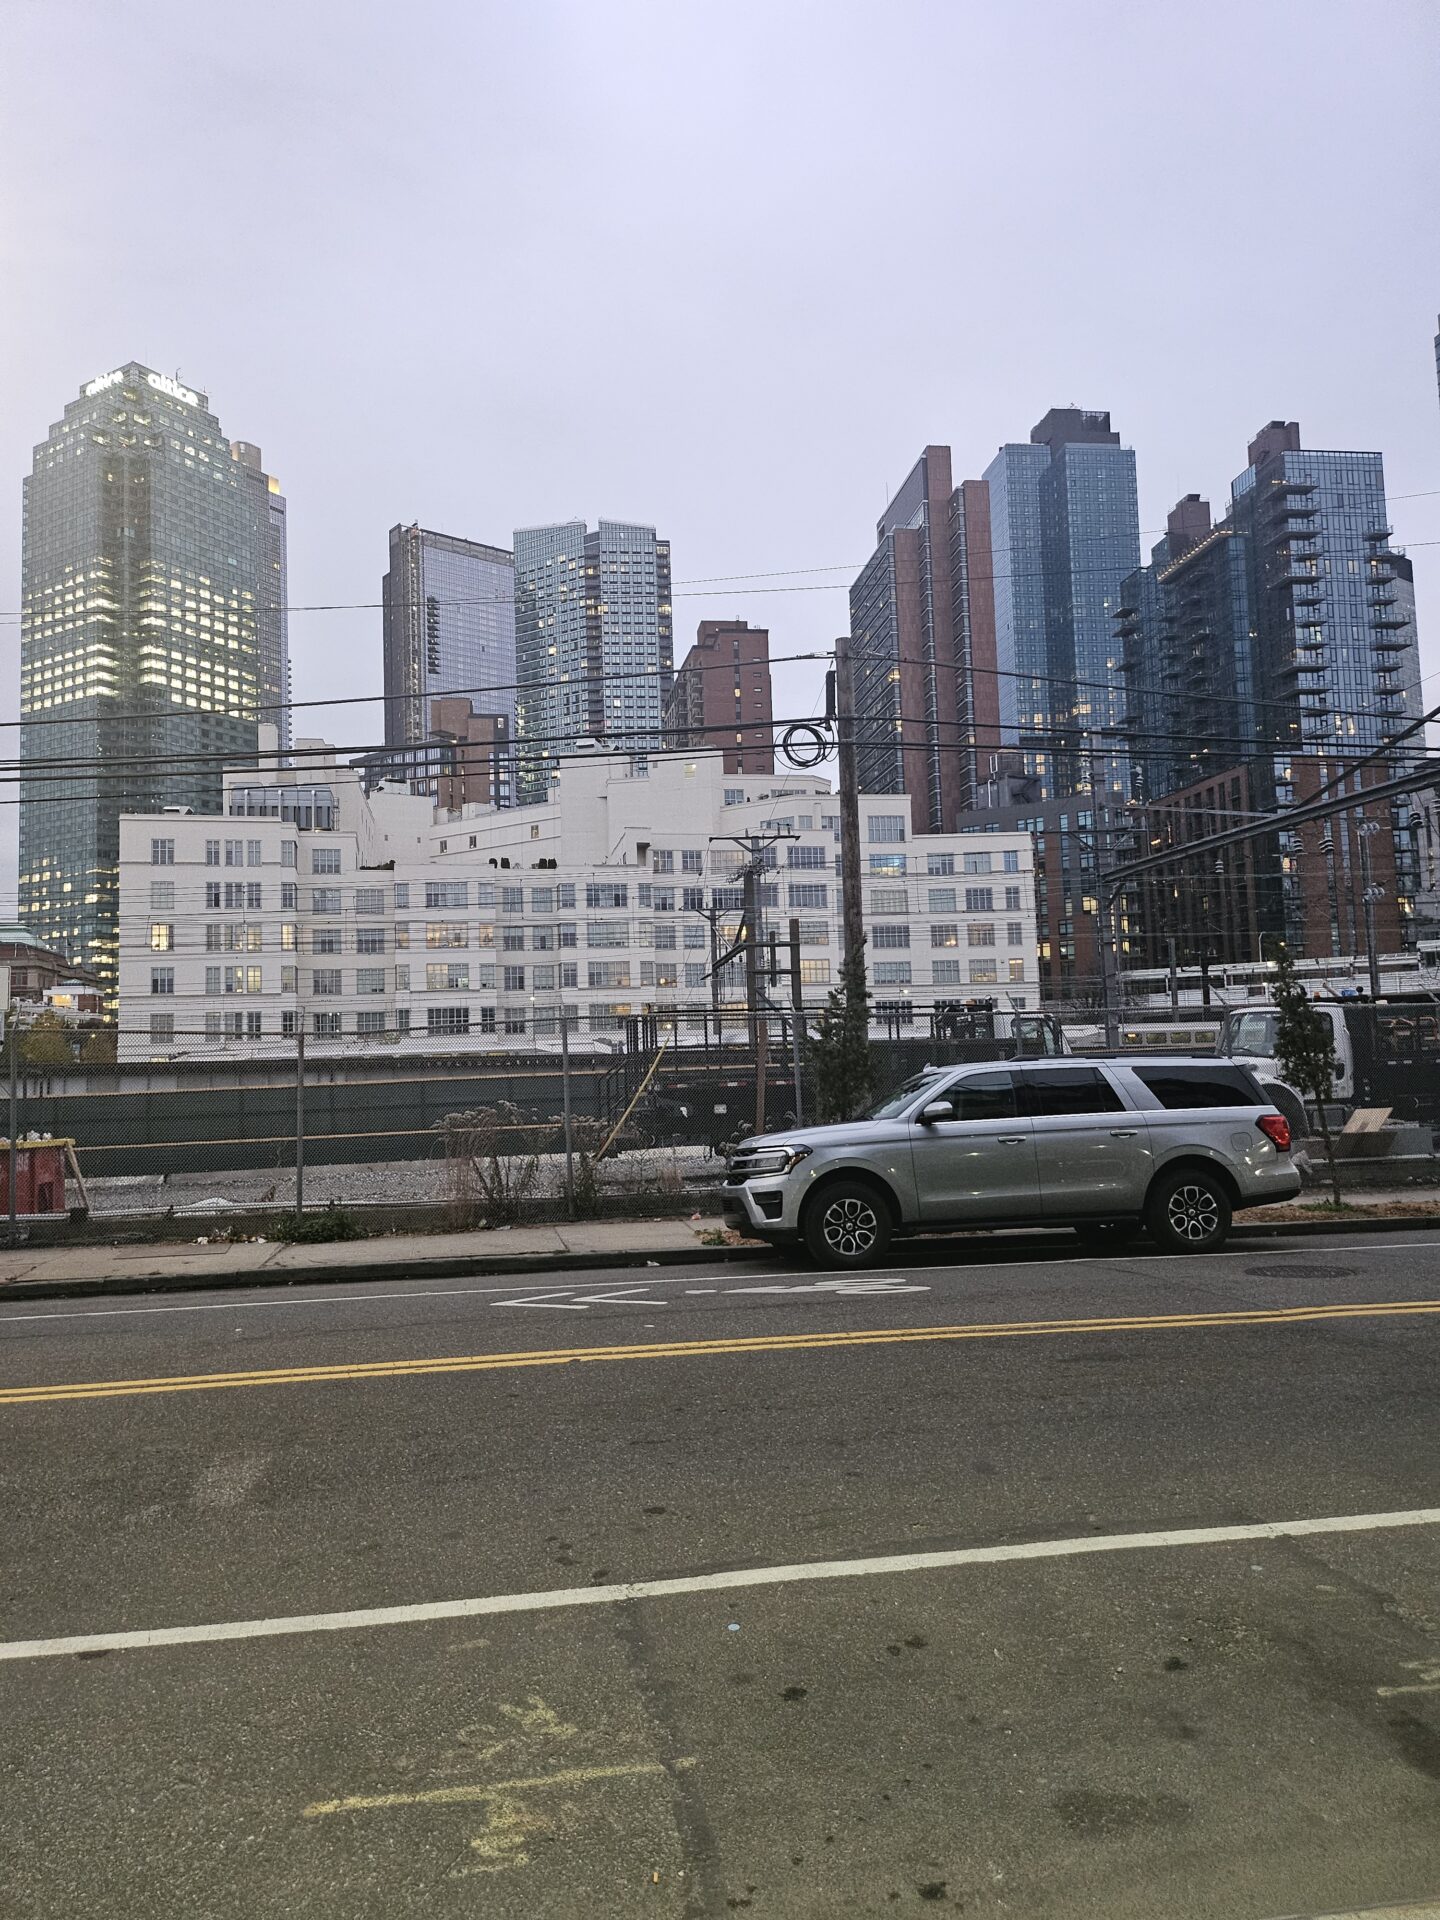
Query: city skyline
(728, 395)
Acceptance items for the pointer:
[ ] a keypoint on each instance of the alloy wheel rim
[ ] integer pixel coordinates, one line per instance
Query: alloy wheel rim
(850, 1227)
(1194, 1212)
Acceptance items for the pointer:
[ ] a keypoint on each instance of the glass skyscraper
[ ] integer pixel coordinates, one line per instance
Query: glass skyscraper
(449, 628)
(144, 568)
(1065, 532)
(272, 613)
(594, 645)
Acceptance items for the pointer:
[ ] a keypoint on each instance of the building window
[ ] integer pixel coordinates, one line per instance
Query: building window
(162, 937)
(1010, 861)
(327, 940)
(162, 980)
(402, 895)
(885, 826)
(212, 853)
(975, 863)
(814, 857)
(607, 933)
(734, 796)
(662, 861)
(814, 973)
(325, 1026)
(888, 900)
(887, 863)
(942, 899)
(448, 933)
(939, 864)
(890, 936)
(289, 897)
(892, 973)
(606, 893)
(371, 1020)
(980, 933)
(369, 940)
(608, 973)
(289, 853)
(983, 973)
(235, 853)
(446, 893)
(162, 1029)
(1017, 969)
(369, 980)
(692, 860)
(945, 973)
(441, 1020)
(325, 860)
(1014, 933)
(325, 900)
(810, 895)
(289, 1023)
(512, 939)
(512, 899)
(1012, 899)
(162, 853)
(447, 976)
(369, 900)
(162, 896)
(513, 979)
(289, 979)
(326, 980)
(945, 934)
(542, 900)
(569, 973)
(979, 899)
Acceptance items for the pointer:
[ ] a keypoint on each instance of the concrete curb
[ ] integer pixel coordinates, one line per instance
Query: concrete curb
(472, 1266)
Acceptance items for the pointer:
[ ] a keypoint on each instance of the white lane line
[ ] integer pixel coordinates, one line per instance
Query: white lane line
(237, 1299)
(557, 1599)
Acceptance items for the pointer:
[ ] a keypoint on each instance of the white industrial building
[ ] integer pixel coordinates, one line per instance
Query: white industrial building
(381, 922)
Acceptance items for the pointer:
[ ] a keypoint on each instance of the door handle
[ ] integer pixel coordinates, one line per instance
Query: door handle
(1010, 1140)
(1124, 1133)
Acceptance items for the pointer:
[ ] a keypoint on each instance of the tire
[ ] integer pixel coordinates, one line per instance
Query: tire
(1105, 1235)
(1188, 1211)
(847, 1224)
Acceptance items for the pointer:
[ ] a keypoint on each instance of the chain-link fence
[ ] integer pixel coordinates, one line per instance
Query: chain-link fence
(586, 1117)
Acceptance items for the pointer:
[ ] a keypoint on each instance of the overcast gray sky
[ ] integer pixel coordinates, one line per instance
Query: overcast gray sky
(723, 268)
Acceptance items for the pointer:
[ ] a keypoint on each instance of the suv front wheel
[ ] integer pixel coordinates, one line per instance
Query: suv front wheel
(847, 1225)
(1188, 1211)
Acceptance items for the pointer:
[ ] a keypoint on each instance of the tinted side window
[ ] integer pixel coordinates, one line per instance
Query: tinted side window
(984, 1096)
(1198, 1086)
(1068, 1090)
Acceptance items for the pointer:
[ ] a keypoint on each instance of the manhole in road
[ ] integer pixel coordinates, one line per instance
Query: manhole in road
(1299, 1270)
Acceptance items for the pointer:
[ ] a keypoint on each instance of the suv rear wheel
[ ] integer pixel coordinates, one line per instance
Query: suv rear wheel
(1188, 1211)
(847, 1225)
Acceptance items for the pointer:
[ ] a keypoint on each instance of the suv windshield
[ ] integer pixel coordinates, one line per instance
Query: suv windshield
(897, 1102)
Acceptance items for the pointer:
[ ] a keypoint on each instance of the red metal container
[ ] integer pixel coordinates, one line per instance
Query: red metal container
(39, 1176)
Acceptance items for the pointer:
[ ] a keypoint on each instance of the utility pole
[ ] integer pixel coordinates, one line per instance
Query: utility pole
(565, 1105)
(847, 768)
(299, 1118)
(759, 1028)
(797, 1017)
(13, 1036)
(1363, 830)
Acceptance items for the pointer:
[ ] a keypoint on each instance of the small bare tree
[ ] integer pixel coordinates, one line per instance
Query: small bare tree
(1305, 1049)
(492, 1161)
(587, 1137)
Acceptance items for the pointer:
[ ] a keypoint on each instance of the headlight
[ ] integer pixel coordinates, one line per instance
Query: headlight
(775, 1159)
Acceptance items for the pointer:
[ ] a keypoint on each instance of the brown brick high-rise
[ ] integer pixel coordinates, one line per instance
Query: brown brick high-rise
(722, 698)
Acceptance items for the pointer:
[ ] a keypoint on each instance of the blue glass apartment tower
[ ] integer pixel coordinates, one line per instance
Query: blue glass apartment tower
(593, 642)
(145, 565)
(1065, 532)
(449, 627)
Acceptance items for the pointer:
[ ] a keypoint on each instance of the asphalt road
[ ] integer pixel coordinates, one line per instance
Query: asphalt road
(980, 1684)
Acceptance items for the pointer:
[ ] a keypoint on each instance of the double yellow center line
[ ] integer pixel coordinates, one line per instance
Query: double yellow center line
(708, 1349)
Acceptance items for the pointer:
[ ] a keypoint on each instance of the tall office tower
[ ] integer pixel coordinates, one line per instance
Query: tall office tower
(144, 567)
(593, 642)
(449, 627)
(1185, 629)
(1065, 532)
(272, 614)
(1264, 658)
(722, 689)
(921, 636)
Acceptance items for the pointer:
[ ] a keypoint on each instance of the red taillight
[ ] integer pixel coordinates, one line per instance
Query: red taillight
(1275, 1127)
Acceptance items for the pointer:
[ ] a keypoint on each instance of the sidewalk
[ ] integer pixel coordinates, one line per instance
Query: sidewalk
(58, 1272)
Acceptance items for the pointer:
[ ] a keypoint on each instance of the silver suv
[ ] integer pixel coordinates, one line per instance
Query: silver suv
(1173, 1145)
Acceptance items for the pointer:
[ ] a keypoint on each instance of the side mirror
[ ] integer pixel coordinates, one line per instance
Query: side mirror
(936, 1110)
